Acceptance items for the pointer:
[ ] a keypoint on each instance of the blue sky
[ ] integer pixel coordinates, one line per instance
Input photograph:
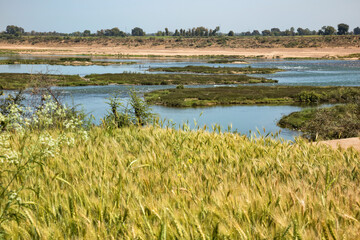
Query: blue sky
(152, 15)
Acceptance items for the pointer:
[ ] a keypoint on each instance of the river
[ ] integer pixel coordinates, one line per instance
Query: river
(243, 119)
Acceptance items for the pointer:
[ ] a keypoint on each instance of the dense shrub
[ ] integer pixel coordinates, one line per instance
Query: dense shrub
(309, 97)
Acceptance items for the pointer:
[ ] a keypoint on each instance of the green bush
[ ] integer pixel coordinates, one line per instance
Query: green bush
(122, 115)
(309, 97)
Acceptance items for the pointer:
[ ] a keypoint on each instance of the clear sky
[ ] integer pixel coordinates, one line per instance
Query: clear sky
(152, 15)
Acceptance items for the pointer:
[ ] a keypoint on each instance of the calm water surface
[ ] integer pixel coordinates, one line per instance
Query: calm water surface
(243, 119)
(312, 73)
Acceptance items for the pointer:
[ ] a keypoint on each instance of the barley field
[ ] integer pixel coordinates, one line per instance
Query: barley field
(161, 183)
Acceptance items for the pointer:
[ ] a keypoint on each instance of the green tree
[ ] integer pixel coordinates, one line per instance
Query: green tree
(275, 32)
(14, 30)
(357, 31)
(231, 33)
(328, 30)
(159, 33)
(343, 29)
(292, 29)
(266, 33)
(166, 32)
(255, 33)
(137, 32)
(216, 30)
(86, 33)
(76, 34)
(288, 32)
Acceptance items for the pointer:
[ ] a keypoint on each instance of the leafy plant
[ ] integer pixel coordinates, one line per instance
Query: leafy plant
(309, 97)
(135, 112)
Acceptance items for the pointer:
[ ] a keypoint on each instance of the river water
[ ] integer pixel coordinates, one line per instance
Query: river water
(243, 119)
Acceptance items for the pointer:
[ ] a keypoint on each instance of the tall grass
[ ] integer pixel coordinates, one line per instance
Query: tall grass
(151, 182)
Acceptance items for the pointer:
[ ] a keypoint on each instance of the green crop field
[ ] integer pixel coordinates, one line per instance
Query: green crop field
(61, 178)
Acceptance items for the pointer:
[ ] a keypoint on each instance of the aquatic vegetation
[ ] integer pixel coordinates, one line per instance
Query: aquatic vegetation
(223, 61)
(135, 112)
(173, 79)
(341, 121)
(14, 81)
(70, 61)
(217, 70)
(190, 97)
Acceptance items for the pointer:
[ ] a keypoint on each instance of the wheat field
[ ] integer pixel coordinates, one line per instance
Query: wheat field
(162, 183)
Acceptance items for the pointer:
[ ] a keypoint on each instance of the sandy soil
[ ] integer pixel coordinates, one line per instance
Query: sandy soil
(162, 51)
(344, 143)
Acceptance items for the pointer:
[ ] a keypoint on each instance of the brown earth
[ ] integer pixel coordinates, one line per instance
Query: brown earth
(267, 47)
(343, 143)
(158, 51)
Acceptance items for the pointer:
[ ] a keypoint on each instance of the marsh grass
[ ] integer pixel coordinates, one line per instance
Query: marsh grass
(217, 70)
(341, 121)
(70, 61)
(190, 97)
(14, 81)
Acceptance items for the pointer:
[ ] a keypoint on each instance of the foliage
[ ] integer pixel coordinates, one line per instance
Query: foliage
(114, 32)
(69, 61)
(343, 29)
(174, 79)
(14, 30)
(16, 81)
(137, 32)
(297, 120)
(328, 30)
(309, 97)
(357, 31)
(290, 39)
(223, 61)
(48, 114)
(79, 59)
(122, 115)
(218, 70)
(341, 121)
(190, 97)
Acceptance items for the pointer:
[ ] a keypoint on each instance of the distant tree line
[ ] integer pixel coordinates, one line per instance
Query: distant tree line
(342, 29)
(193, 32)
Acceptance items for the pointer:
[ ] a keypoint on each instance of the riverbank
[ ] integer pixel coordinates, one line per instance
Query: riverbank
(340, 121)
(162, 51)
(345, 143)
